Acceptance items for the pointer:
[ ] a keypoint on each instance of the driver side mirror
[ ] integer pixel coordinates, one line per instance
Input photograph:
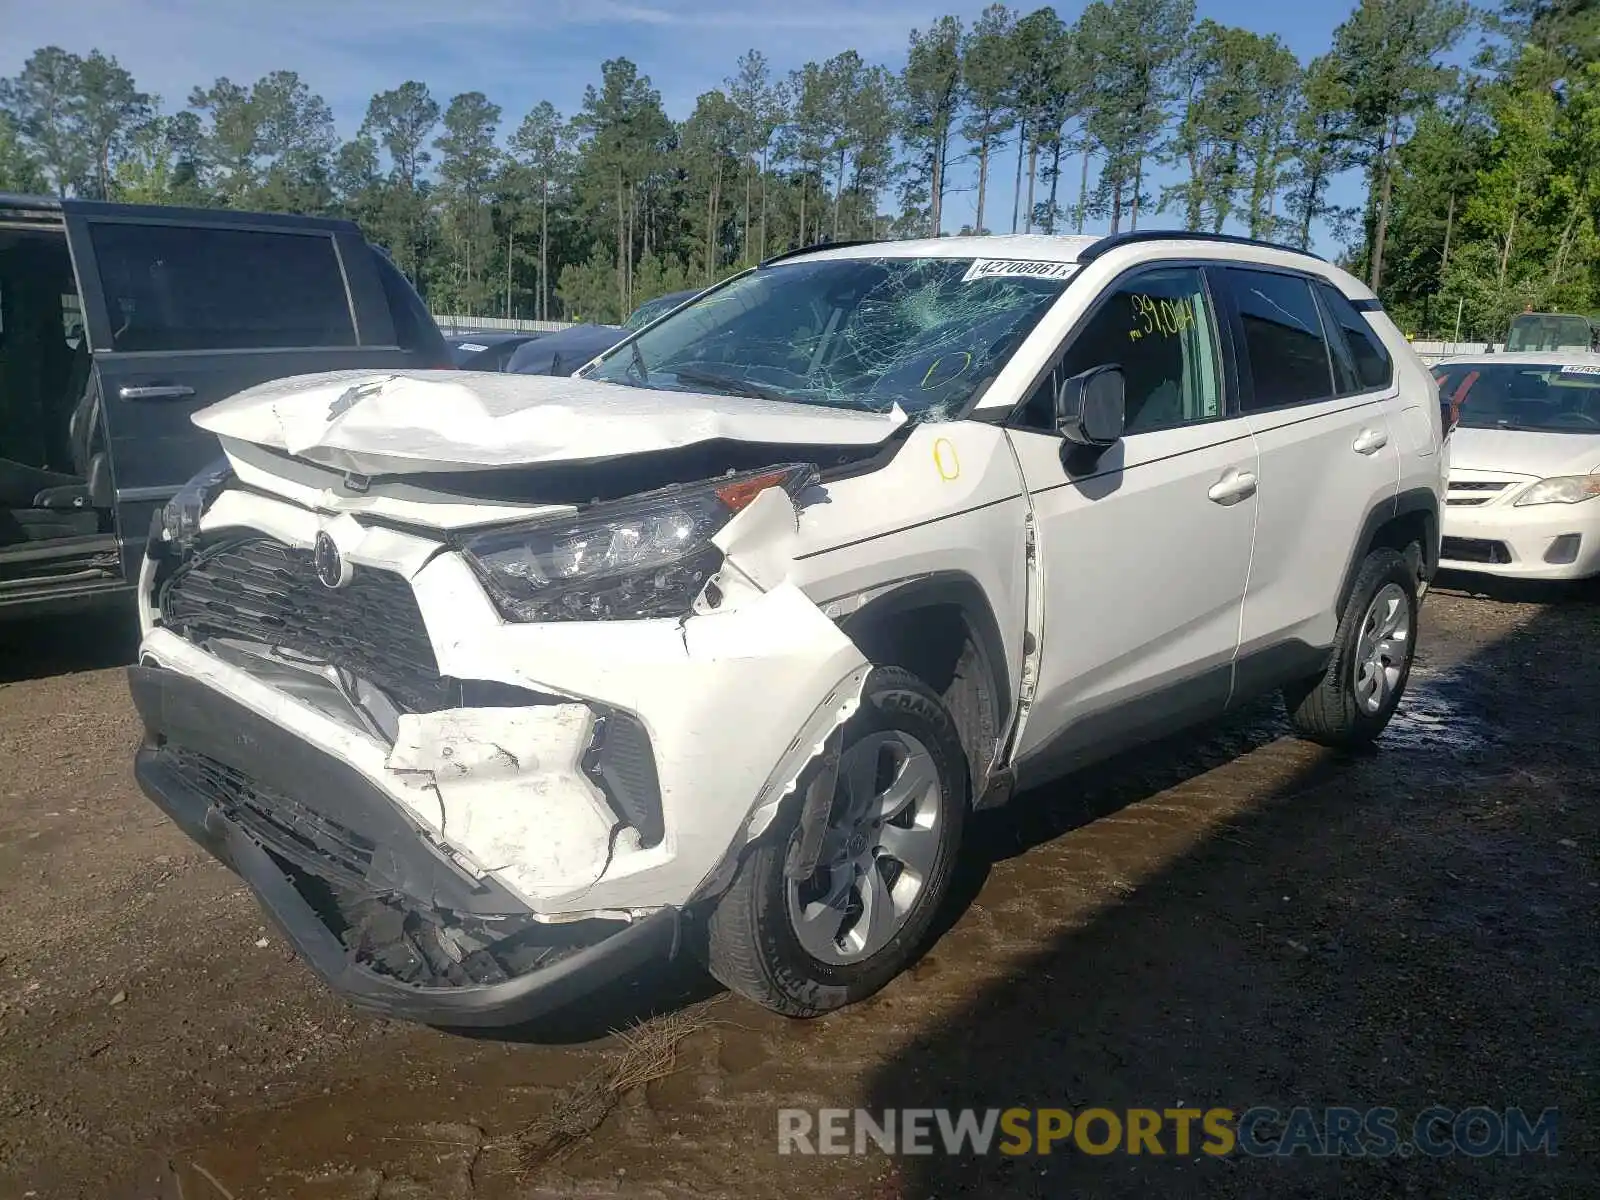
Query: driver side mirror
(1091, 407)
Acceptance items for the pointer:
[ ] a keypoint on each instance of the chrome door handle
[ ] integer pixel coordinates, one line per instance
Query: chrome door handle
(155, 391)
(1370, 441)
(1233, 487)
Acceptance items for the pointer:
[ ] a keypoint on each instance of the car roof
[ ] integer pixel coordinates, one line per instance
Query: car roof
(168, 212)
(1541, 358)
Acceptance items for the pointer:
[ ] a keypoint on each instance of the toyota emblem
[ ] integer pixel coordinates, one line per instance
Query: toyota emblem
(332, 569)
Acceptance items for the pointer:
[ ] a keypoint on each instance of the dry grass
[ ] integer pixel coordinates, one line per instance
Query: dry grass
(649, 1051)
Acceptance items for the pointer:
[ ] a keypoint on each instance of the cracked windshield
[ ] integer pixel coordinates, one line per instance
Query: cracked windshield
(869, 333)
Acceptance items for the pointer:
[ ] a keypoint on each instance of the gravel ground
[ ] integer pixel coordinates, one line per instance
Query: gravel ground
(1233, 918)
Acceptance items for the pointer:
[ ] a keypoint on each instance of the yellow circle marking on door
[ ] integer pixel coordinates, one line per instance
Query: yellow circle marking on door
(945, 460)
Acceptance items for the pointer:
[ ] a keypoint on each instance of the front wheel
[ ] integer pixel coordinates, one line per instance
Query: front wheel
(803, 947)
(1352, 701)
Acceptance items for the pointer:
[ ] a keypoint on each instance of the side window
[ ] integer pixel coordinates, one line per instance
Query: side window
(177, 287)
(1289, 361)
(1157, 326)
(1373, 368)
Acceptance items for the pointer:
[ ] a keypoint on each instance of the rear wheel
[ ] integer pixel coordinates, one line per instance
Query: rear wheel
(1353, 700)
(804, 947)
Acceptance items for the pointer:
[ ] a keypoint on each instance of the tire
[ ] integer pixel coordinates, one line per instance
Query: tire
(753, 940)
(1338, 708)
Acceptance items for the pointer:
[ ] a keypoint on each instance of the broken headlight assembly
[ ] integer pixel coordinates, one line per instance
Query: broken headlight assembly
(178, 522)
(646, 556)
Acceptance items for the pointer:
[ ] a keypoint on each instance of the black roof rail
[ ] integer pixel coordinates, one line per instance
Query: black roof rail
(1134, 236)
(796, 251)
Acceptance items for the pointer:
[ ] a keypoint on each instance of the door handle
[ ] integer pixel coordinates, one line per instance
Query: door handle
(1370, 441)
(155, 391)
(1233, 487)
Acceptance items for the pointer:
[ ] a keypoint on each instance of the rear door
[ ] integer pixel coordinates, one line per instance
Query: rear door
(1328, 458)
(184, 308)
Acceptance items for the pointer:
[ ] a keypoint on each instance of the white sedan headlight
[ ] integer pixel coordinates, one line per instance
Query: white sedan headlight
(1563, 489)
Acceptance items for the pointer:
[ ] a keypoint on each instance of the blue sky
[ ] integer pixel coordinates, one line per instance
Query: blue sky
(519, 54)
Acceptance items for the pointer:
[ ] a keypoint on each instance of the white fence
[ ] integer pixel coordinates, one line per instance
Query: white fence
(451, 325)
(1432, 352)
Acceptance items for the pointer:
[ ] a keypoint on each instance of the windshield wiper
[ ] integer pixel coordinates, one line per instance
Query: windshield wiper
(636, 363)
(729, 385)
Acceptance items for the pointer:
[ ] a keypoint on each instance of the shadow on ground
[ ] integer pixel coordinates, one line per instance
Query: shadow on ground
(1408, 928)
(44, 646)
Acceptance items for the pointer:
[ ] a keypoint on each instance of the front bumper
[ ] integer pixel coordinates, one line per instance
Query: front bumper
(179, 711)
(1541, 541)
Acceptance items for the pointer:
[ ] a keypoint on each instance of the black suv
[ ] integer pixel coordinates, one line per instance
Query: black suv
(117, 322)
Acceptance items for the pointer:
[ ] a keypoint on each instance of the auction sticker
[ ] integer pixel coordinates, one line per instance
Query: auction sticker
(1016, 268)
(1581, 369)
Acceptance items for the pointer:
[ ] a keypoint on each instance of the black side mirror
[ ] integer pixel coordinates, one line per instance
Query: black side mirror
(1091, 408)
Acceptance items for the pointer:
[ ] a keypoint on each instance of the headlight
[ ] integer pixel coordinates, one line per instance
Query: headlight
(1563, 489)
(179, 521)
(647, 556)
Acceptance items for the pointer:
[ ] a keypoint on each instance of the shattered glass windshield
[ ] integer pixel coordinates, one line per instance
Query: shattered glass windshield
(867, 333)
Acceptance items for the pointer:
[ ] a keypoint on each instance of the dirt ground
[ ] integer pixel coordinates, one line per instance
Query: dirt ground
(1234, 918)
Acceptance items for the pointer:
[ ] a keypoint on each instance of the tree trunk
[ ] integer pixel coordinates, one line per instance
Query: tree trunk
(805, 186)
(1016, 194)
(1511, 232)
(544, 259)
(1138, 181)
(511, 236)
(1383, 205)
(622, 247)
(1083, 186)
(936, 187)
(1116, 204)
(763, 251)
(1033, 176)
(983, 179)
(744, 254)
(1055, 183)
(838, 194)
(1449, 229)
(1561, 249)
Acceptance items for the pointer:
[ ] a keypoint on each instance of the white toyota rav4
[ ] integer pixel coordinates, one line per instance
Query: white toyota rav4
(493, 687)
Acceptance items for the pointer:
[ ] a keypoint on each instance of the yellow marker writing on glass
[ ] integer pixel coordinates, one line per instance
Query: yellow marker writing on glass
(945, 460)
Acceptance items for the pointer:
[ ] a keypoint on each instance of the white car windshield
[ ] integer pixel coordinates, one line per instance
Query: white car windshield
(924, 333)
(1540, 397)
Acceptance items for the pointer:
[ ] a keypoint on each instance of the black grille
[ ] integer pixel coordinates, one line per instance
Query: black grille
(1480, 550)
(261, 590)
(287, 826)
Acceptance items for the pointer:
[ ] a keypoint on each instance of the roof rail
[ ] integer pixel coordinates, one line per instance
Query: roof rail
(1134, 236)
(796, 251)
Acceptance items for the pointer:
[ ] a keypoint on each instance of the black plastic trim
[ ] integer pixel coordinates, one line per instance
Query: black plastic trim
(815, 247)
(1407, 503)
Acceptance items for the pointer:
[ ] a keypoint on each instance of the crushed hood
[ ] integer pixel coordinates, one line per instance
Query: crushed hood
(1519, 452)
(383, 423)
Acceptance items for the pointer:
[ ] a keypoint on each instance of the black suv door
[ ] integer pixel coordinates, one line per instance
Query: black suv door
(185, 307)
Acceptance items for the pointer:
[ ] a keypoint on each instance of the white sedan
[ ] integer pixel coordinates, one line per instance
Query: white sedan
(1524, 493)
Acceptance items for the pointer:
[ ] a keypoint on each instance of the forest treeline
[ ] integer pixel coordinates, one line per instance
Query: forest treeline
(1476, 134)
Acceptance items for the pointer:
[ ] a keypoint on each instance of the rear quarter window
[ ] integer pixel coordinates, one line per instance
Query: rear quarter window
(178, 287)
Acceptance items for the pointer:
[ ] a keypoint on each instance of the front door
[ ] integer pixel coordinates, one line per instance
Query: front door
(1144, 555)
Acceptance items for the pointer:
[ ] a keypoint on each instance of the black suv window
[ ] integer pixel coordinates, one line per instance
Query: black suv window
(1373, 369)
(185, 287)
(1159, 328)
(1283, 341)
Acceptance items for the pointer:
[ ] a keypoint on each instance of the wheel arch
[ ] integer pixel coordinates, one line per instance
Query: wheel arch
(1413, 516)
(942, 628)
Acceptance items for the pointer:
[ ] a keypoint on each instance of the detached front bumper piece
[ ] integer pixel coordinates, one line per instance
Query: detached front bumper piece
(386, 918)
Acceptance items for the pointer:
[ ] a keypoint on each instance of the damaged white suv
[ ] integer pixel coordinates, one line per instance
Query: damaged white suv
(493, 687)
